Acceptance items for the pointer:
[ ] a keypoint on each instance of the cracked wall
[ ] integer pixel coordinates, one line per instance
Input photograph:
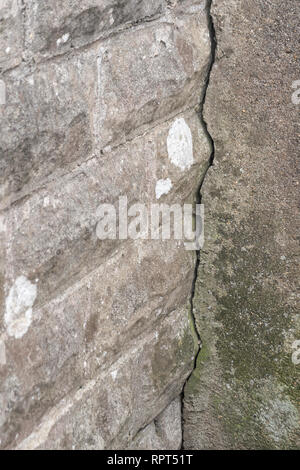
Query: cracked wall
(102, 101)
(244, 391)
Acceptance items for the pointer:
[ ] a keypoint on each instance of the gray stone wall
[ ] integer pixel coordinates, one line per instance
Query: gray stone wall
(101, 99)
(244, 392)
(96, 339)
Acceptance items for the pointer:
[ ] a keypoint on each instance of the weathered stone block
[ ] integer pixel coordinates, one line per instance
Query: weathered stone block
(51, 235)
(113, 305)
(90, 326)
(162, 76)
(64, 111)
(108, 411)
(46, 124)
(55, 27)
(164, 432)
(95, 336)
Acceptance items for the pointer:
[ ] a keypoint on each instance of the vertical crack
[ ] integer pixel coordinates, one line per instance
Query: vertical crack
(213, 43)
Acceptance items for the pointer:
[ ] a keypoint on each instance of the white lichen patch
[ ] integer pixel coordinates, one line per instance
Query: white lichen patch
(278, 414)
(180, 145)
(2, 353)
(19, 302)
(163, 187)
(63, 39)
(2, 411)
(2, 224)
(279, 417)
(114, 374)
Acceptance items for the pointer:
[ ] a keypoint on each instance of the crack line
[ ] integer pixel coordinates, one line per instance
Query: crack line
(213, 41)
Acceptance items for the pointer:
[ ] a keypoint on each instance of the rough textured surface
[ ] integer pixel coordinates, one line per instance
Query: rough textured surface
(164, 432)
(96, 337)
(96, 341)
(244, 393)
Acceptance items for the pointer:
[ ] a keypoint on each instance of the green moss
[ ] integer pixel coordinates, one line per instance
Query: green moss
(179, 354)
(255, 318)
(243, 324)
(188, 343)
(193, 384)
